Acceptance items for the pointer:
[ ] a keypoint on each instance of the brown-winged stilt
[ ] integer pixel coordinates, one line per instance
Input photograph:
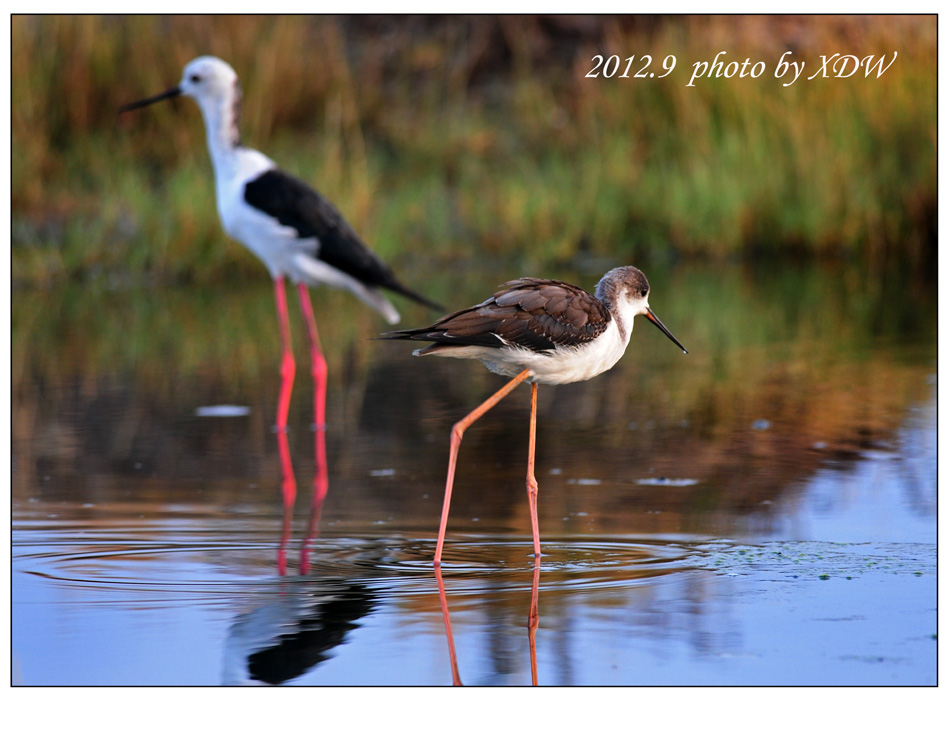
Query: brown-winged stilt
(542, 331)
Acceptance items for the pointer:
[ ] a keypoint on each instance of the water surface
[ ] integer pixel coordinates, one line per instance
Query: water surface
(762, 511)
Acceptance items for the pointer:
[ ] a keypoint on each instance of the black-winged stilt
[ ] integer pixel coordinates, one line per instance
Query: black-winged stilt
(295, 231)
(543, 331)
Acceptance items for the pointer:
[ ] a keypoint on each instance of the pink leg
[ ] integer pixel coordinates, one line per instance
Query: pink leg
(532, 482)
(318, 368)
(287, 365)
(457, 432)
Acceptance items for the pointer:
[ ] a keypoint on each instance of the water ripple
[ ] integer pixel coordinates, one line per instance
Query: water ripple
(394, 566)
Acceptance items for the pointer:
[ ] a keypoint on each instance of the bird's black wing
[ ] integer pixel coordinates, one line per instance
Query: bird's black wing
(295, 204)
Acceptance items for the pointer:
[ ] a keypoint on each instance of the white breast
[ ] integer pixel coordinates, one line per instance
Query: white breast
(564, 365)
(276, 245)
(576, 364)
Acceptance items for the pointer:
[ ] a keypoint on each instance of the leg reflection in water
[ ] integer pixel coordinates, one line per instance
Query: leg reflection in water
(456, 680)
(289, 495)
(533, 619)
(288, 486)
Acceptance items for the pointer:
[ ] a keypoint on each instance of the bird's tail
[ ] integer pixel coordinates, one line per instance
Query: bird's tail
(314, 272)
(378, 302)
(408, 334)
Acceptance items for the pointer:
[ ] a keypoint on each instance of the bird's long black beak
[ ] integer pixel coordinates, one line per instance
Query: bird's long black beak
(173, 92)
(659, 324)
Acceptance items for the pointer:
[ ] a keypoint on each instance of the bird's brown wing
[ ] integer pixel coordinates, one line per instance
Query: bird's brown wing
(531, 313)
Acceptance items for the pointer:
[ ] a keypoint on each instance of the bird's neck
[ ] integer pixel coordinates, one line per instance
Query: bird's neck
(607, 293)
(221, 124)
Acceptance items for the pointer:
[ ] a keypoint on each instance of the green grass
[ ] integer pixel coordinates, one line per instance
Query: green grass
(460, 138)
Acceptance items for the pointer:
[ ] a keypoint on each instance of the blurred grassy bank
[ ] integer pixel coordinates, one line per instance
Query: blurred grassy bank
(443, 139)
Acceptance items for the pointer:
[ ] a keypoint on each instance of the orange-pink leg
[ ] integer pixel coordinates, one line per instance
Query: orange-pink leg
(287, 365)
(318, 368)
(458, 430)
(531, 482)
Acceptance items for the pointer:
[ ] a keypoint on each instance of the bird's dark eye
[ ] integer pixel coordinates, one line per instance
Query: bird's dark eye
(644, 292)
(194, 79)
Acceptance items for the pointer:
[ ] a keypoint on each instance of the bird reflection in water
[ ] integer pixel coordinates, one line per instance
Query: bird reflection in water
(533, 621)
(304, 620)
(284, 639)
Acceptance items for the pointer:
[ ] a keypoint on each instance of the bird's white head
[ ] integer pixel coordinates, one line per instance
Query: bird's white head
(214, 85)
(209, 80)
